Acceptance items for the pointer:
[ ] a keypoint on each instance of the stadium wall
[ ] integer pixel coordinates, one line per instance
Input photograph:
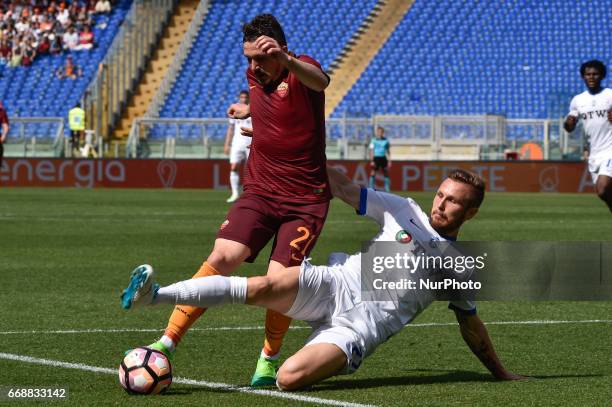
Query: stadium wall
(500, 176)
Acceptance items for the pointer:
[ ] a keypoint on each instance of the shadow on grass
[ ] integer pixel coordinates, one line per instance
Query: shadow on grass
(455, 376)
(443, 376)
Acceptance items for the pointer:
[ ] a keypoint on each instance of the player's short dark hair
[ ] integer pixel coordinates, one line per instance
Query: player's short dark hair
(474, 180)
(594, 63)
(244, 92)
(264, 24)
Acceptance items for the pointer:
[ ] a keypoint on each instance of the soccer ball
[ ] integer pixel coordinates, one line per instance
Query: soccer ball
(145, 371)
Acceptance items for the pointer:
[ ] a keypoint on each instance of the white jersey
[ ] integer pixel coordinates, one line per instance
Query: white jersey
(593, 111)
(238, 140)
(376, 321)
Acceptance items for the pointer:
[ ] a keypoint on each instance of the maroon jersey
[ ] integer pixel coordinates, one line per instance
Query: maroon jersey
(3, 117)
(287, 157)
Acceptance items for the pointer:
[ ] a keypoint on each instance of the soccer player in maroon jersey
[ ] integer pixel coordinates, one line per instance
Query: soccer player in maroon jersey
(4, 123)
(286, 190)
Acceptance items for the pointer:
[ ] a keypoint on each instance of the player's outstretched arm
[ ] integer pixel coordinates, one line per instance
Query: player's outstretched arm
(310, 75)
(475, 334)
(342, 187)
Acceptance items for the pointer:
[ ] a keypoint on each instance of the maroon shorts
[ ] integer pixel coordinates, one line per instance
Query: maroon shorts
(254, 219)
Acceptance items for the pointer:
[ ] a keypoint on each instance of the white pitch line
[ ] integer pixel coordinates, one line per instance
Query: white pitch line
(257, 328)
(124, 330)
(180, 380)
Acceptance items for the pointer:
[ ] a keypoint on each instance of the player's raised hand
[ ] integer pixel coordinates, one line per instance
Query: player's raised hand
(246, 131)
(271, 47)
(238, 111)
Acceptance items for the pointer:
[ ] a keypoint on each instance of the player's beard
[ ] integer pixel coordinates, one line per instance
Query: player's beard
(443, 225)
(262, 76)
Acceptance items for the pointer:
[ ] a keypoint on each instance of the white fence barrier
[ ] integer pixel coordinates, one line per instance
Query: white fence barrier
(412, 137)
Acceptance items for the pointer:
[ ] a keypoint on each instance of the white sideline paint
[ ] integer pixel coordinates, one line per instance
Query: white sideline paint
(180, 380)
(256, 328)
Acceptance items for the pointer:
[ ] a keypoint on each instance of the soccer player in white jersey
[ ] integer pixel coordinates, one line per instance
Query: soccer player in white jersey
(345, 328)
(594, 108)
(237, 146)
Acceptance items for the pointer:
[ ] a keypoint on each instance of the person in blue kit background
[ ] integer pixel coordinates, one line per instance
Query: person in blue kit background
(380, 157)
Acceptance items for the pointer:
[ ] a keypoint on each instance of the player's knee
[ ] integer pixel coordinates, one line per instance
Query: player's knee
(290, 377)
(225, 261)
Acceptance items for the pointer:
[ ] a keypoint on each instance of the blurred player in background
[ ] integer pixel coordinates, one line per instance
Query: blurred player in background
(346, 329)
(380, 157)
(4, 122)
(286, 191)
(237, 146)
(594, 108)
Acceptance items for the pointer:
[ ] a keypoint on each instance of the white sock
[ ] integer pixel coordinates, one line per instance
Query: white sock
(168, 343)
(204, 292)
(266, 356)
(235, 182)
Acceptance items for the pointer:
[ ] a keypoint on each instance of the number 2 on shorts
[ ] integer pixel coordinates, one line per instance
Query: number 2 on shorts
(295, 243)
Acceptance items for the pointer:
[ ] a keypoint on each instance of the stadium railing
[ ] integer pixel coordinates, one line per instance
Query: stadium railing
(27, 138)
(125, 62)
(412, 137)
(177, 61)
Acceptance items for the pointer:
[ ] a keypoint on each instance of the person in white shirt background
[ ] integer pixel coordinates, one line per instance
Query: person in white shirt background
(594, 108)
(237, 144)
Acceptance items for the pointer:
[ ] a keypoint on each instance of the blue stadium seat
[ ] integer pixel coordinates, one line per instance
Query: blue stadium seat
(514, 58)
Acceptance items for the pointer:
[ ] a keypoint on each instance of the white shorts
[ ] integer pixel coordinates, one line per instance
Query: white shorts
(324, 301)
(238, 154)
(600, 165)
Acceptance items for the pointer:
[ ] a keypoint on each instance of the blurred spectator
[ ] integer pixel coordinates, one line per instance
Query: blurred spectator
(4, 122)
(29, 53)
(5, 52)
(44, 47)
(86, 38)
(103, 6)
(69, 70)
(56, 44)
(16, 57)
(71, 39)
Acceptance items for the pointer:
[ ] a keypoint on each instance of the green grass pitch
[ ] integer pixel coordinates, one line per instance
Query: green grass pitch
(65, 255)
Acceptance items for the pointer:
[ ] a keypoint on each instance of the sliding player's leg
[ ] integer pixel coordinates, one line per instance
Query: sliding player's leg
(226, 256)
(311, 364)
(271, 292)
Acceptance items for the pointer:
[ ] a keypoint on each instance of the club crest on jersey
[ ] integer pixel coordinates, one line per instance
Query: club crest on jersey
(403, 236)
(282, 89)
(433, 242)
(224, 224)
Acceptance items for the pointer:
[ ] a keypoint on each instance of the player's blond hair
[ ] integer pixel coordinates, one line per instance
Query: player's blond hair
(474, 180)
